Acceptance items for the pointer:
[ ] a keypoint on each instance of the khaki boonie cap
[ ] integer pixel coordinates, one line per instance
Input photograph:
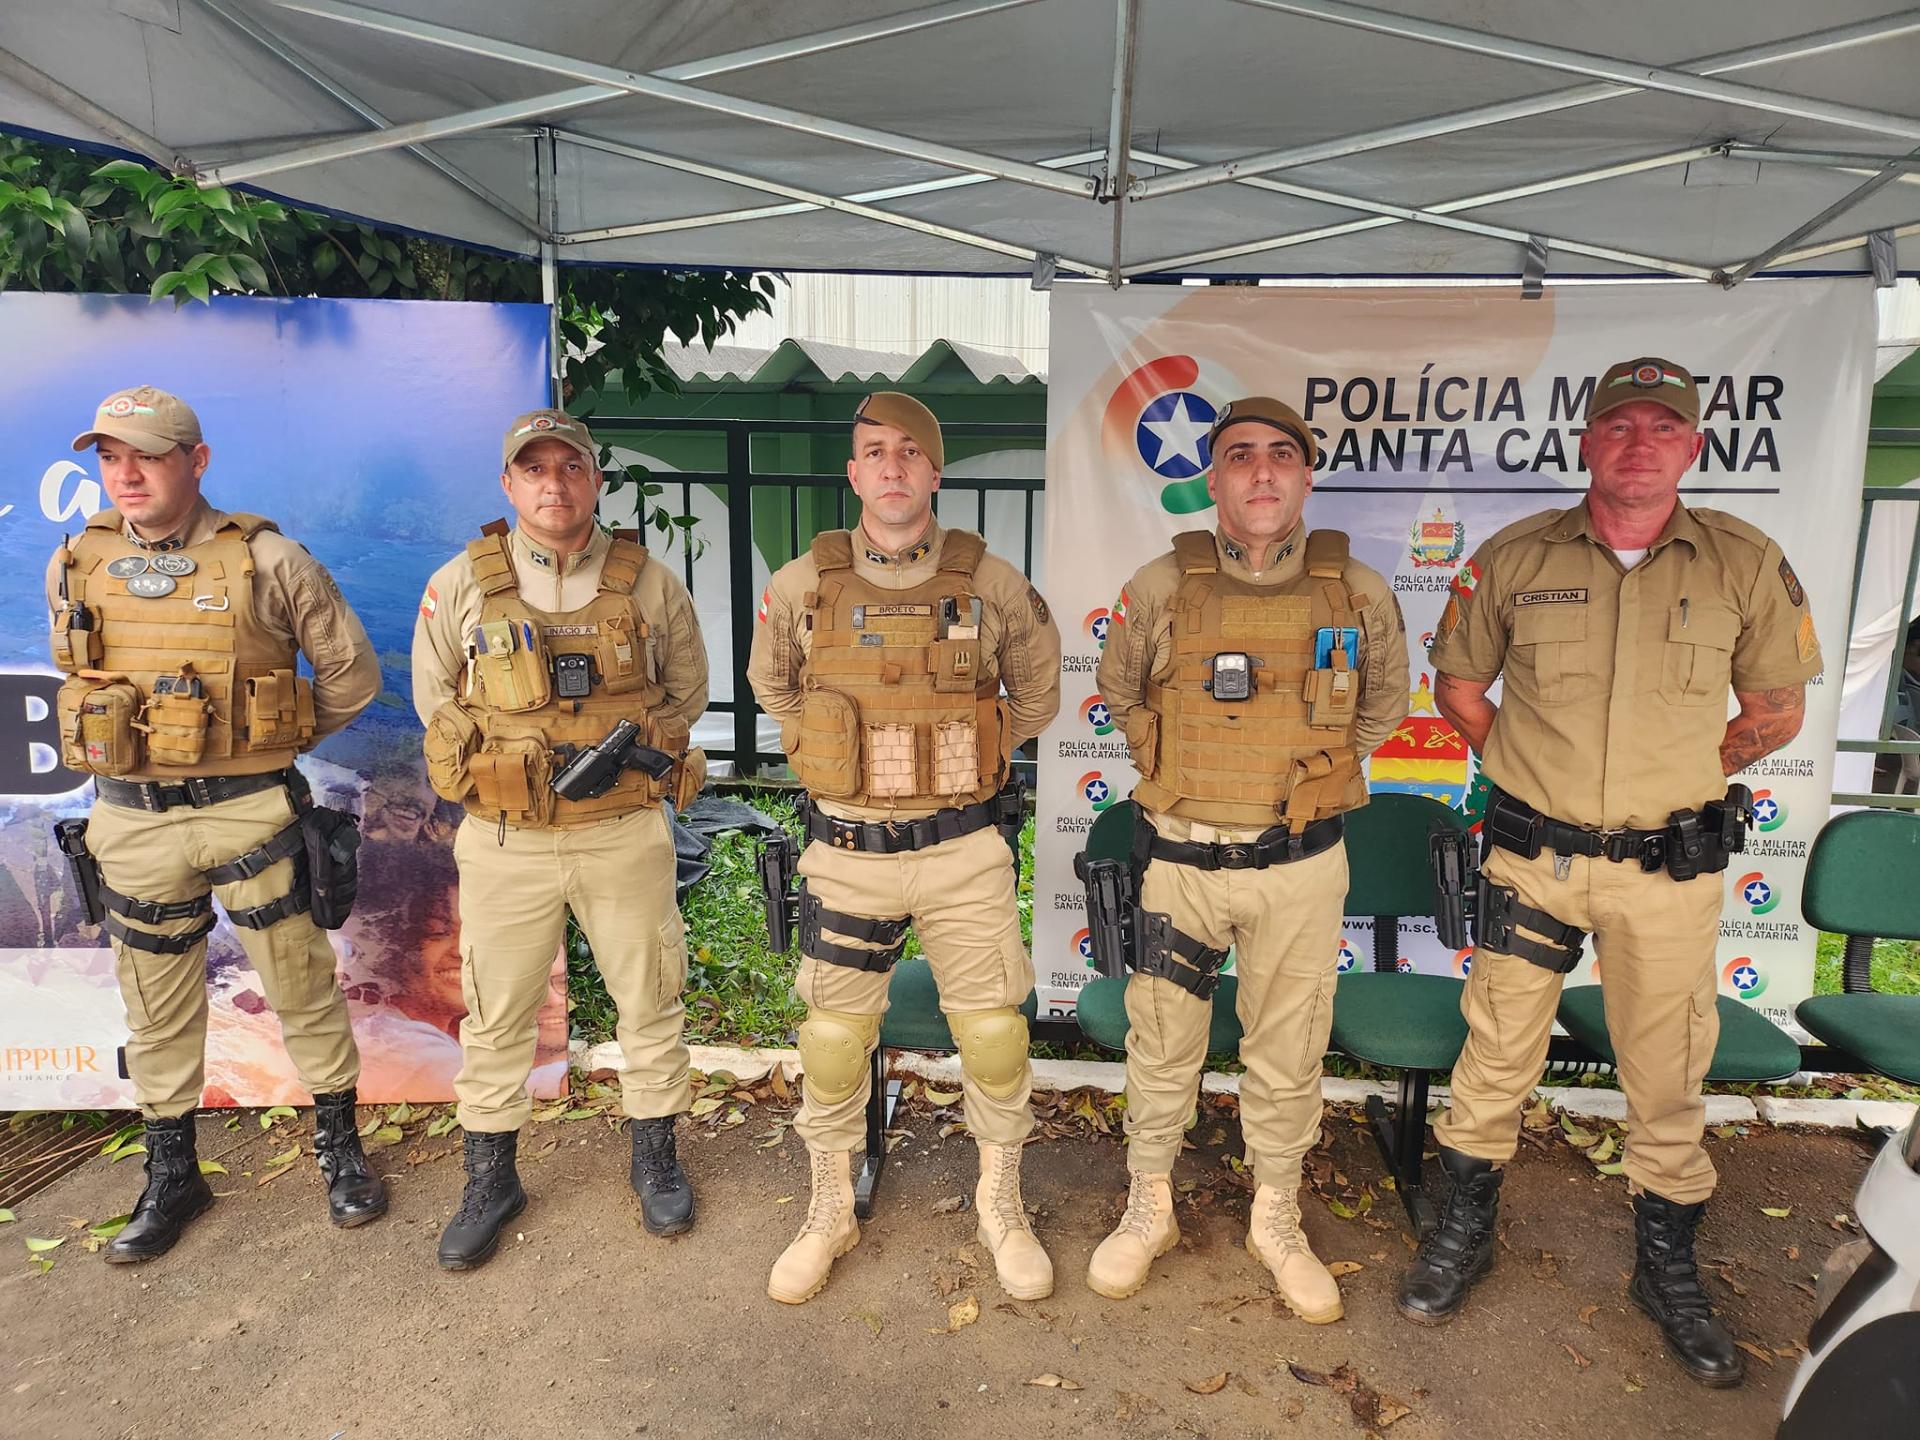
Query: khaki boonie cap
(1648, 378)
(150, 420)
(548, 425)
(904, 413)
(1268, 411)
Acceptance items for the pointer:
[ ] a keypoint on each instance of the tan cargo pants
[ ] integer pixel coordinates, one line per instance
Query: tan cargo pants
(1655, 941)
(515, 891)
(1284, 925)
(164, 857)
(960, 895)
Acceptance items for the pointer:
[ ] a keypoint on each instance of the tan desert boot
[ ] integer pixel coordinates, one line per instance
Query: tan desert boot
(829, 1232)
(1024, 1269)
(1146, 1231)
(1274, 1239)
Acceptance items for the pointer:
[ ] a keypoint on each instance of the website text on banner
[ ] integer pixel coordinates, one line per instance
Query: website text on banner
(1441, 417)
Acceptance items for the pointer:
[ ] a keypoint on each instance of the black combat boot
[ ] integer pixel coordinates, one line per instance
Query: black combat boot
(176, 1192)
(1460, 1249)
(493, 1197)
(355, 1194)
(1667, 1286)
(666, 1198)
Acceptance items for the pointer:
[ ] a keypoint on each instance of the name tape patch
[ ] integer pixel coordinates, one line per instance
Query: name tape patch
(1551, 597)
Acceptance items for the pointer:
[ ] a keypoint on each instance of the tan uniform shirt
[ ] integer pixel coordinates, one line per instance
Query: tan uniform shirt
(450, 610)
(1017, 635)
(1614, 701)
(297, 601)
(1140, 645)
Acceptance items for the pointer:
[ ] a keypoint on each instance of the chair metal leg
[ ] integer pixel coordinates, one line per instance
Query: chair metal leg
(1401, 1139)
(882, 1096)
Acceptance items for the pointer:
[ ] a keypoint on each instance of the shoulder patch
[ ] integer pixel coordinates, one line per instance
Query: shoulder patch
(430, 603)
(1040, 611)
(766, 602)
(1466, 580)
(1449, 620)
(1804, 643)
(1792, 581)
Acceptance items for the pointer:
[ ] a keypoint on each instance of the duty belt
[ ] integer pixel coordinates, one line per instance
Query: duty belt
(1278, 846)
(1515, 825)
(199, 791)
(889, 837)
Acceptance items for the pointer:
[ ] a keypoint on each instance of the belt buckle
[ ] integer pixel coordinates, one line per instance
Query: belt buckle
(1240, 856)
(151, 795)
(199, 791)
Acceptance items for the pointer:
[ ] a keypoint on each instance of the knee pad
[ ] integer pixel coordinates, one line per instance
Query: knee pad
(993, 1048)
(834, 1046)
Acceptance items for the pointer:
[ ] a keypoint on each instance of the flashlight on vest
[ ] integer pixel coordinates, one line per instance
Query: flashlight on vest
(1232, 676)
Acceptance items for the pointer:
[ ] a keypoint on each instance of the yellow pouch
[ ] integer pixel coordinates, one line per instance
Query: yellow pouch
(1333, 697)
(956, 757)
(514, 775)
(279, 710)
(452, 736)
(828, 760)
(175, 720)
(511, 661)
(891, 760)
(97, 713)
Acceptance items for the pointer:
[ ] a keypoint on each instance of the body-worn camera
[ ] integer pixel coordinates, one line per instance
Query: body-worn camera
(1232, 676)
(572, 676)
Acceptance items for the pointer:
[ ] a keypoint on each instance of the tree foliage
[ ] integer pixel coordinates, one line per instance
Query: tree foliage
(69, 222)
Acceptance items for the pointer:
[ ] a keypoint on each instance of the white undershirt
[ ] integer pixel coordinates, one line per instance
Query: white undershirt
(1630, 558)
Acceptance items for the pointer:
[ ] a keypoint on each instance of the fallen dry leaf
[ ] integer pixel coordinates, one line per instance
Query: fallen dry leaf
(777, 1079)
(1780, 1212)
(951, 1205)
(1051, 1381)
(1345, 1267)
(1587, 1312)
(960, 1314)
(1578, 1359)
(1211, 1385)
(1755, 1351)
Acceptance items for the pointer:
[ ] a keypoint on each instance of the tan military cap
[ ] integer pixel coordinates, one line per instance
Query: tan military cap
(1648, 378)
(150, 420)
(904, 413)
(548, 425)
(1268, 411)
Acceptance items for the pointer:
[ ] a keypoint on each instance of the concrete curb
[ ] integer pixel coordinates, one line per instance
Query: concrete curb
(1110, 1077)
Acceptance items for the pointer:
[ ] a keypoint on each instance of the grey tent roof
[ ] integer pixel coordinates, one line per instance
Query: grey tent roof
(1432, 138)
(799, 361)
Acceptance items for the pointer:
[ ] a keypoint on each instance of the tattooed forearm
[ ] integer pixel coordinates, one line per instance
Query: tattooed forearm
(1767, 720)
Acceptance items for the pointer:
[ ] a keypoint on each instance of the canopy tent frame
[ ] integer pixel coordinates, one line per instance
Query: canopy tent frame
(1109, 174)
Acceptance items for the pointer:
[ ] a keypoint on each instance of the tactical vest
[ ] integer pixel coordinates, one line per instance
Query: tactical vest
(170, 671)
(900, 707)
(540, 682)
(1285, 752)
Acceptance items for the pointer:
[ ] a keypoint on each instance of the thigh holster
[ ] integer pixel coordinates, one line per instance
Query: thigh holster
(816, 918)
(1499, 913)
(289, 842)
(1162, 950)
(121, 908)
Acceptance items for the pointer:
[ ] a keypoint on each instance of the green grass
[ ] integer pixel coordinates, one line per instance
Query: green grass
(1895, 966)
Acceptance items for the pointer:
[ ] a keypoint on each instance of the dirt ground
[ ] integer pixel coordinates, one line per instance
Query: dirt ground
(266, 1321)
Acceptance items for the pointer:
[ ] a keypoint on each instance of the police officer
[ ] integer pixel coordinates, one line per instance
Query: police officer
(1253, 668)
(1618, 627)
(905, 664)
(530, 648)
(180, 628)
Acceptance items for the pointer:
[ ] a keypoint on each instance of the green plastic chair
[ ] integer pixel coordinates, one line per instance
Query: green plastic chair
(1863, 882)
(1101, 1006)
(1410, 1024)
(1751, 1047)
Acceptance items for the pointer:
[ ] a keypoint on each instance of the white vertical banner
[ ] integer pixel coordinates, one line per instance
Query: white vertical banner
(1442, 416)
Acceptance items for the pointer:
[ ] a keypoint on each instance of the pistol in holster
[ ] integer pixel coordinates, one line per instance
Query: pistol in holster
(779, 862)
(71, 837)
(1010, 813)
(1703, 841)
(1456, 873)
(1110, 911)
